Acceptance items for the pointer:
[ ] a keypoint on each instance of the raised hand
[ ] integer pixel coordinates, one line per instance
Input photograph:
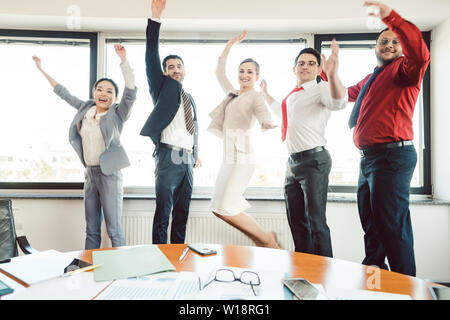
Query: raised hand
(263, 86)
(233, 41)
(330, 65)
(158, 7)
(52, 81)
(265, 91)
(121, 52)
(384, 10)
(239, 38)
(37, 60)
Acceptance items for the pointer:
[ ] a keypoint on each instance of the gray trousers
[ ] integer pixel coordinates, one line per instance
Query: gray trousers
(103, 195)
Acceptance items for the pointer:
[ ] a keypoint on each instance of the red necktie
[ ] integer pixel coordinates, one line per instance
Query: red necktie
(284, 114)
(323, 76)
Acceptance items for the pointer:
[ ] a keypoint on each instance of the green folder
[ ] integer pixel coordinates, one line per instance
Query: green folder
(129, 262)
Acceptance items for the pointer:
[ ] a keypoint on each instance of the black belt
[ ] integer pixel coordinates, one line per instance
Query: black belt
(174, 147)
(383, 146)
(302, 154)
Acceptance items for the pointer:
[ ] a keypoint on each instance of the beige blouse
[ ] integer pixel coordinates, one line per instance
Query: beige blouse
(234, 118)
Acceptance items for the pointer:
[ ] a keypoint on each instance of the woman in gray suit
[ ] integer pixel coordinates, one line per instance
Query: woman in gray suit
(95, 135)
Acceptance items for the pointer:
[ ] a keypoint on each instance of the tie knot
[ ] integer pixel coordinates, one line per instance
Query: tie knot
(378, 69)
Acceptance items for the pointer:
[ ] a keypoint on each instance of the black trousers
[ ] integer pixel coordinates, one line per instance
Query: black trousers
(305, 193)
(383, 204)
(174, 180)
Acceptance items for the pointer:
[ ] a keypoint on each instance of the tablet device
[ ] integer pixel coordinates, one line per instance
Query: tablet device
(301, 288)
(202, 249)
(4, 289)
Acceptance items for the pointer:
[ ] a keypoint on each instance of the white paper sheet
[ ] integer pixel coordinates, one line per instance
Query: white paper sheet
(36, 267)
(162, 286)
(80, 286)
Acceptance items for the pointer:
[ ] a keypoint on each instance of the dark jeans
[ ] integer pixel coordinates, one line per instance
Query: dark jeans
(173, 187)
(305, 193)
(383, 204)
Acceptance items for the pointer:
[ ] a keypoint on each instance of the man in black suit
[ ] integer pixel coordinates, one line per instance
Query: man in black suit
(172, 126)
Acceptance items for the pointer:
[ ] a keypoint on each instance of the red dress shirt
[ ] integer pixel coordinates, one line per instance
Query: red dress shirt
(388, 106)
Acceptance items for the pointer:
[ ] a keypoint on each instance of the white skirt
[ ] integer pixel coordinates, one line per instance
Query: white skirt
(232, 181)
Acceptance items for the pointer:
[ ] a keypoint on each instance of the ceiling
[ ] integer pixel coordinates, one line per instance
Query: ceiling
(203, 16)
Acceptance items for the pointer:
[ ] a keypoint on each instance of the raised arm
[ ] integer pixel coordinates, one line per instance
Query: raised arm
(128, 74)
(129, 94)
(330, 66)
(273, 104)
(52, 81)
(60, 90)
(154, 70)
(222, 63)
(417, 55)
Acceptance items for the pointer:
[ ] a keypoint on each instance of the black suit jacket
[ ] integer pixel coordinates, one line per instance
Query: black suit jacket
(165, 92)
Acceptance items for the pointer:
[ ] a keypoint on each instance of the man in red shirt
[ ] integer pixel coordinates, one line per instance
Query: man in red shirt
(382, 121)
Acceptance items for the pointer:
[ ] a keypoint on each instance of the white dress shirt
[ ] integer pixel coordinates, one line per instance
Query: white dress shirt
(91, 137)
(176, 133)
(308, 112)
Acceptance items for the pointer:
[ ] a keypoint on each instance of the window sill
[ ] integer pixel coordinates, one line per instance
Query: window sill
(201, 196)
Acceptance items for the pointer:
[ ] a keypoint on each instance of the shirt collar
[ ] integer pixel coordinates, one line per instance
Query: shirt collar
(92, 112)
(309, 84)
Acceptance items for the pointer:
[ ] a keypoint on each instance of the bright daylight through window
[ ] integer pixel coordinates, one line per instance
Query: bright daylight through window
(35, 121)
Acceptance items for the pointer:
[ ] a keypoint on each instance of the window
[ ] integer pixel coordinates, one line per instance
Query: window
(276, 59)
(356, 60)
(34, 147)
(36, 152)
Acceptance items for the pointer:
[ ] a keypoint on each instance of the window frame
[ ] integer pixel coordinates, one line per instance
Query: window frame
(426, 189)
(94, 37)
(93, 43)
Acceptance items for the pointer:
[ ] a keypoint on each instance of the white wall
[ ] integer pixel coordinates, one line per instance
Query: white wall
(440, 110)
(59, 224)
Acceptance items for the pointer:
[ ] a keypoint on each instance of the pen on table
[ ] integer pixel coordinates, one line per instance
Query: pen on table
(88, 268)
(5, 261)
(184, 254)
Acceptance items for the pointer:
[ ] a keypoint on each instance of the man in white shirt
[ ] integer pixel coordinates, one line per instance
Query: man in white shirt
(305, 113)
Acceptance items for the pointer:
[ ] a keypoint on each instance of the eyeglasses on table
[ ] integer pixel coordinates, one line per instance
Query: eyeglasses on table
(227, 275)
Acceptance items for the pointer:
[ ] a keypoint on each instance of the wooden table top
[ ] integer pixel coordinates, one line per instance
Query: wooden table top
(329, 272)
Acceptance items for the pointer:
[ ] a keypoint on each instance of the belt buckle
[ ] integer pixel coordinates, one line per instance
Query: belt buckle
(361, 152)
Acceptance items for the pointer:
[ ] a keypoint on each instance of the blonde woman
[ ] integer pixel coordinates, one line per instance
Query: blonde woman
(233, 120)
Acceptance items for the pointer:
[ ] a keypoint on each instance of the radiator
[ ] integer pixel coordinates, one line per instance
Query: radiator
(206, 228)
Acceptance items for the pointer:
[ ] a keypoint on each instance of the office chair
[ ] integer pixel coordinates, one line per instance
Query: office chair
(8, 236)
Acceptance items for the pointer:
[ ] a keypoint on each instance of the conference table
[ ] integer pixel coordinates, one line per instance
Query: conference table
(329, 272)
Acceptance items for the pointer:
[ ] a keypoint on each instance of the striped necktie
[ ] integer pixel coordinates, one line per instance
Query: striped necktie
(188, 117)
(355, 111)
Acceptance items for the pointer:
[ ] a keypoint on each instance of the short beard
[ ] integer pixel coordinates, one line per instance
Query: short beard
(384, 62)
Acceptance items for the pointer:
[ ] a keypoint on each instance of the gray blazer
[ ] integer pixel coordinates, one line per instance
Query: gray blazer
(114, 157)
